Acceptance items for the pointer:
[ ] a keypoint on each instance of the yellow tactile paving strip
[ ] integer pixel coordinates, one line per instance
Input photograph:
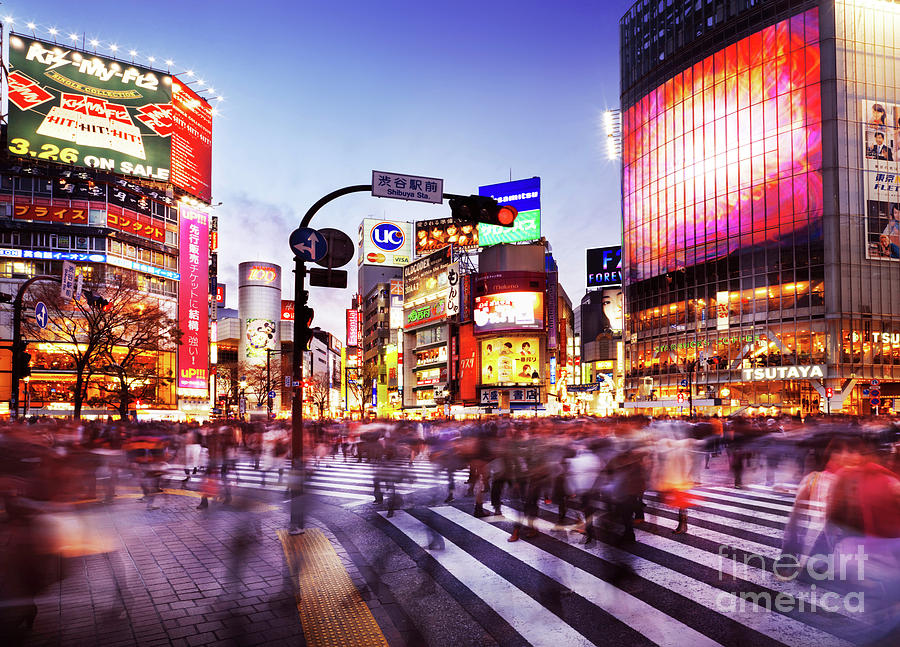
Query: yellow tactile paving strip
(331, 609)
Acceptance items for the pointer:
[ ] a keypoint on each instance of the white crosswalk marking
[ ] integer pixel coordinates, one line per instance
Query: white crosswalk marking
(535, 623)
(680, 590)
(347, 480)
(654, 624)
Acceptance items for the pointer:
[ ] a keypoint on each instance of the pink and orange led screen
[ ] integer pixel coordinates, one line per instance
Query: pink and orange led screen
(727, 154)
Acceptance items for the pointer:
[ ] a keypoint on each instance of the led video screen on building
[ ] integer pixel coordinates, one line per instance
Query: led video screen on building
(510, 360)
(79, 108)
(509, 311)
(726, 154)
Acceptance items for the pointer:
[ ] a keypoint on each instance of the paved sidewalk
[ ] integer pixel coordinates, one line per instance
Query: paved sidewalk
(181, 576)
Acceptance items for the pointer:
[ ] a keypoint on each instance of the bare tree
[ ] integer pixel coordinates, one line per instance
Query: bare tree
(260, 380)
(227, 383)
(88, 330)
(361, 387)
(136, 342)
(319, 392)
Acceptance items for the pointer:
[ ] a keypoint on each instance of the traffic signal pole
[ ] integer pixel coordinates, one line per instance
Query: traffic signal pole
(301, 332)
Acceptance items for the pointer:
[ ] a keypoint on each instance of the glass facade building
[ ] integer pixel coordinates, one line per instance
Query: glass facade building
(761, 244)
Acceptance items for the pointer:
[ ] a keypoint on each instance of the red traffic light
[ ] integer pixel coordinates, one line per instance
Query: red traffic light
(507, 216)
(829, 393)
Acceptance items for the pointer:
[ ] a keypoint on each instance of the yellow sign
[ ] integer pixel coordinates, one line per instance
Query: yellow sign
(509, 360)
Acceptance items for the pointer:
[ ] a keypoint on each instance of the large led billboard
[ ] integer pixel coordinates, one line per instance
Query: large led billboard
(506, 360)
(726, 154)
(385, 242)
(525, 196)
(193, 300)
(79, 108)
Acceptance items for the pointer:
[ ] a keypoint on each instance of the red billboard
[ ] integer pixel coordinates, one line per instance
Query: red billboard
(353, 327)
(468, 373)
(191, 141)
(193, 309)
(287, 310)
(220, 294)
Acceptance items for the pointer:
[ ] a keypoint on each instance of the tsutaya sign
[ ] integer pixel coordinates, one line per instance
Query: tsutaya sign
(783, 373)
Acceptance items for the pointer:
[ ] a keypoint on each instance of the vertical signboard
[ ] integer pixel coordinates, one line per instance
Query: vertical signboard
(353, 327)
(220, 294)
(722, 310)
(193, 309)
(468, 371)
(552, 302)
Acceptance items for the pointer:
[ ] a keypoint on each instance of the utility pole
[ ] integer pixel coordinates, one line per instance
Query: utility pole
(268, 383)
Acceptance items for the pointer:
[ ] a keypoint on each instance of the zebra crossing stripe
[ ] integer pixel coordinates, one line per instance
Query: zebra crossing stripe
(527, 616)
(774, 507)
(771, 624)
(640, 616)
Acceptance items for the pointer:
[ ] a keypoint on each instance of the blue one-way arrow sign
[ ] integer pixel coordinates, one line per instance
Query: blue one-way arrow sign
(308, 244)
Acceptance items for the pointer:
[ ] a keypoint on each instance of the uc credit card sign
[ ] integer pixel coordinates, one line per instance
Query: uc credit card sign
(525, 197)
(385, 242)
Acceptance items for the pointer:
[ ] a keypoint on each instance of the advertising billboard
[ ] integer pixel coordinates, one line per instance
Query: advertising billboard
(83, 109)
(726, 154)
(880, 151)
(353, 327)
(193, 301)
(468, 374)
(525, 197)
(509, 360)
(613, 302)
(425, 314)
(287, 310)
(604, 266)
(260, 336)
(509, 311)
(385, 242)
(426, 277)
(191, 141)
(434, 234)
(220, 294)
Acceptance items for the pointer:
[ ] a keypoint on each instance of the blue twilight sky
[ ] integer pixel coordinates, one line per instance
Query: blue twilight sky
(318, 94)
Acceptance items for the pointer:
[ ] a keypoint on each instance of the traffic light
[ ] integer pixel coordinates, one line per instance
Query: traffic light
(482, 209)
(304, 315)
(829, 392)
(23, 364)
(95, 301)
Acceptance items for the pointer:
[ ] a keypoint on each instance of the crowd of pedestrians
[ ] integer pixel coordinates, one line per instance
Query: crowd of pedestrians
(593, 474)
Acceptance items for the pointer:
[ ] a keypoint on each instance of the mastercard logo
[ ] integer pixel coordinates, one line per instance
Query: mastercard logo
(372, 257)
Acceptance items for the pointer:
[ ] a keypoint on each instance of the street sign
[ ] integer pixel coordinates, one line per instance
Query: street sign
(67, 284)
(287, 381)
(681, 397)
(874, 382)
(308, 244)
(327, 278)
(683, 382)
(875, 402)
(340, 248)
(271, 395)
(407, 187)
(40, 314)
